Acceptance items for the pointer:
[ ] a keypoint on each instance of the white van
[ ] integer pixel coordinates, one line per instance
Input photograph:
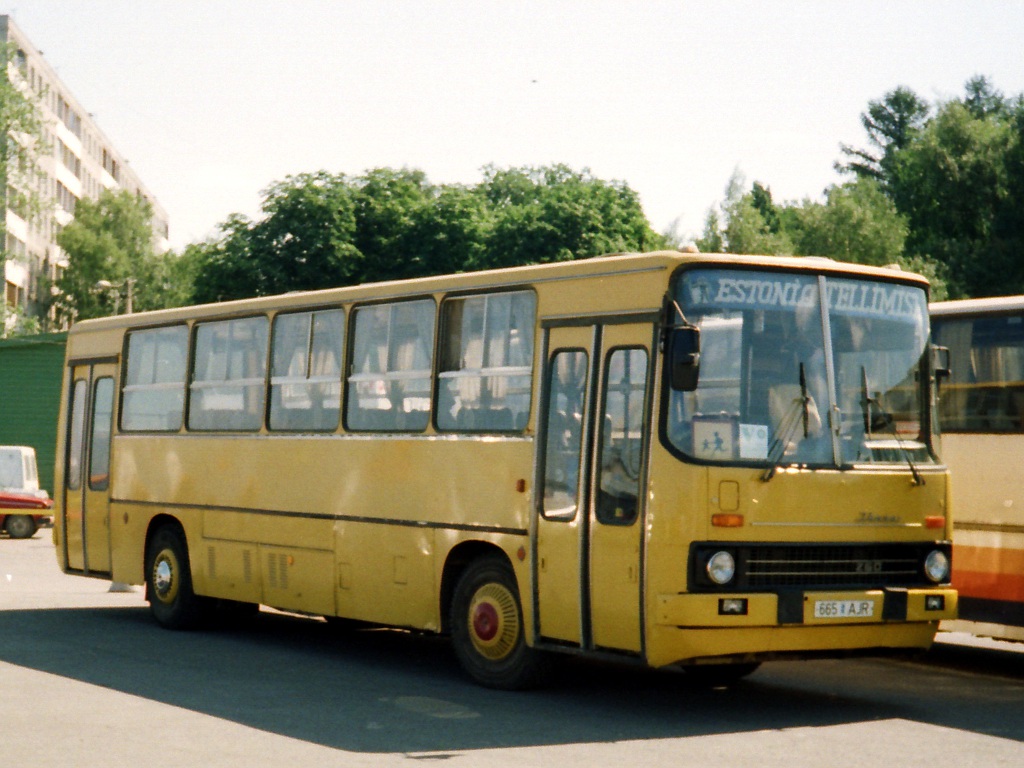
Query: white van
(23, 505)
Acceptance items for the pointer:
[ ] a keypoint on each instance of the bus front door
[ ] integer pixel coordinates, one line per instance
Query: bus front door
(589, 531)
(86, 507)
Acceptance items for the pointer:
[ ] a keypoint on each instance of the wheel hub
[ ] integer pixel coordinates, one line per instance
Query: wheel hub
(485, 621)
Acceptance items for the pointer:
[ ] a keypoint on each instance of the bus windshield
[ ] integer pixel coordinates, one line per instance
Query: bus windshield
(776, 361)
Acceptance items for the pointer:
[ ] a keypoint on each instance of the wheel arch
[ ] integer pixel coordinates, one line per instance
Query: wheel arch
(155, 524)
(457, 561)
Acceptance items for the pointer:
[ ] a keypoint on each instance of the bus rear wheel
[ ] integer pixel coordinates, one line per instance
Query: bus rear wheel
(20, 526)
(487, 627)
(169, 581)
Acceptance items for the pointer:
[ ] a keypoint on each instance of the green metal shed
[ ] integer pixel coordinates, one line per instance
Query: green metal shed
(30, 380)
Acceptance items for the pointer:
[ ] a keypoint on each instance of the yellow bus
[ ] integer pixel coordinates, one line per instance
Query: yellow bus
(669, 458)
(982, 417)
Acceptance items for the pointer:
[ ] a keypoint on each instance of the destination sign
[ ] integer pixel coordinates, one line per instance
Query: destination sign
(733, 289)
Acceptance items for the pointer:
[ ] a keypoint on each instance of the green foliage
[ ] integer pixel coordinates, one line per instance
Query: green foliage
(956, 175)
(110, 239)
(857, 223)
(891, 124)
(322, 230)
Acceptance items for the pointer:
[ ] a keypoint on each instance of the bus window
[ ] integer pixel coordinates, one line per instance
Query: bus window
(99, 452)
(766, 389)
(392, 355)
(305, 372)
(76, 446)
(154, 389)
(229, 375)
(566, 398)
(485, 377)
(985, 392)
(622, 431)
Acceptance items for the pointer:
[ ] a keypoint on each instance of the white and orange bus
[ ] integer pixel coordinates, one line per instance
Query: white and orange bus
(982, 417)
(674, 459)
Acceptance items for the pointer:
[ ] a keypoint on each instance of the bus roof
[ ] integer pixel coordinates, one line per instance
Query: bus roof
(599, 266)
(977, 306)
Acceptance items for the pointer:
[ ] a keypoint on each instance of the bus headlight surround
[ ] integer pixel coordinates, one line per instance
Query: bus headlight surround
(936, 566)
(721, 567)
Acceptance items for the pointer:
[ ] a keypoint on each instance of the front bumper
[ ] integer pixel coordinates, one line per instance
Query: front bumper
(798, 608)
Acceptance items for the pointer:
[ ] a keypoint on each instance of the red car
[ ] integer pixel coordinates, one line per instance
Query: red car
(21, 513)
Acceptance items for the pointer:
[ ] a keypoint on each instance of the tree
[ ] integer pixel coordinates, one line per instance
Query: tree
(21, 143)
(388, 203)
(856, 223)
(553, 213)
(752, 222)
(951, 184)
(110, 238)
(320, 230)
(891, 125)
(982, 99)
(711, 239)
(955, 173)
(304, 242)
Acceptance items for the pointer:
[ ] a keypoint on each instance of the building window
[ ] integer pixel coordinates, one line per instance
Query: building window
(71, 161)
(66, 199)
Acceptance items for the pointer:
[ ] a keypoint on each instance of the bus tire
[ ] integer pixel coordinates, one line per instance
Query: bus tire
(486, 621)
(20, 526)
(169, 581)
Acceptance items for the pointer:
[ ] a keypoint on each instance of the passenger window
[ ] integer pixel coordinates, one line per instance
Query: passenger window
(487, 363)
(622, 428)
(154, 389)
(305, 373)
(229, 375)
(99, 451)
(390, 371)
(76, 443)
(564, 429)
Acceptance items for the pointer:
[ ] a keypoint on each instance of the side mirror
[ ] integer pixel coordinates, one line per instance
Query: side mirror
(940, 362)
(684, 358)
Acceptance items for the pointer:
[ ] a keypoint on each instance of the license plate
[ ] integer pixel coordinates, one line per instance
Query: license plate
(844, 609)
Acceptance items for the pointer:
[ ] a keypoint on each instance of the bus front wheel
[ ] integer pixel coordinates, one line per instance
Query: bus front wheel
(169, 581)
(487, 627)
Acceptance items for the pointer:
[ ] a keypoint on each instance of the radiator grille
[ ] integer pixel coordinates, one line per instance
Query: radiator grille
(833, 566)
(817, 566)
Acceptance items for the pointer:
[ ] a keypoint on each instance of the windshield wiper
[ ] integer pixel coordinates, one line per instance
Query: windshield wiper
(885, 419)
(798, 412)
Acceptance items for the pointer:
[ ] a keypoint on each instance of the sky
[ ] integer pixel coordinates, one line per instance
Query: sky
(211, 102)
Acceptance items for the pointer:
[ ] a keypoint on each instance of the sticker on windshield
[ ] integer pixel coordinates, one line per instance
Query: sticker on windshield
(753, 441)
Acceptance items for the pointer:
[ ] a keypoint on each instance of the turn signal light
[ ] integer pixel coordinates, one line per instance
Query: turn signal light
(727, 521)
(935, 521)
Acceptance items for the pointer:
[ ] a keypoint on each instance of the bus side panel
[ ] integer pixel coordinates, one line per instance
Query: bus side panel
(330, 524)
(385, 574)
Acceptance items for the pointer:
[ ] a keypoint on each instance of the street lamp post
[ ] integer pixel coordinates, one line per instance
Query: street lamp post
(128, 284)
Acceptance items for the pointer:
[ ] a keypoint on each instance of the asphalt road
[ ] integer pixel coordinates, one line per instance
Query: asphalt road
(86, 677)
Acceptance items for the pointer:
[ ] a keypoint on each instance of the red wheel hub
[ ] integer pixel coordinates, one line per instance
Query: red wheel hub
(485, 621)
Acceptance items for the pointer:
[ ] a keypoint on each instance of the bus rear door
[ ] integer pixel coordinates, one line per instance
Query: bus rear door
(86, 507)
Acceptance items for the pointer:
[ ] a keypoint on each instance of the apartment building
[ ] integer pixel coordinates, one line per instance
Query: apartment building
(78, 161)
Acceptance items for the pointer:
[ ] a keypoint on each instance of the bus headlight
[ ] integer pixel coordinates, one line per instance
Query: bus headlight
(721, 567)
(936, 566)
